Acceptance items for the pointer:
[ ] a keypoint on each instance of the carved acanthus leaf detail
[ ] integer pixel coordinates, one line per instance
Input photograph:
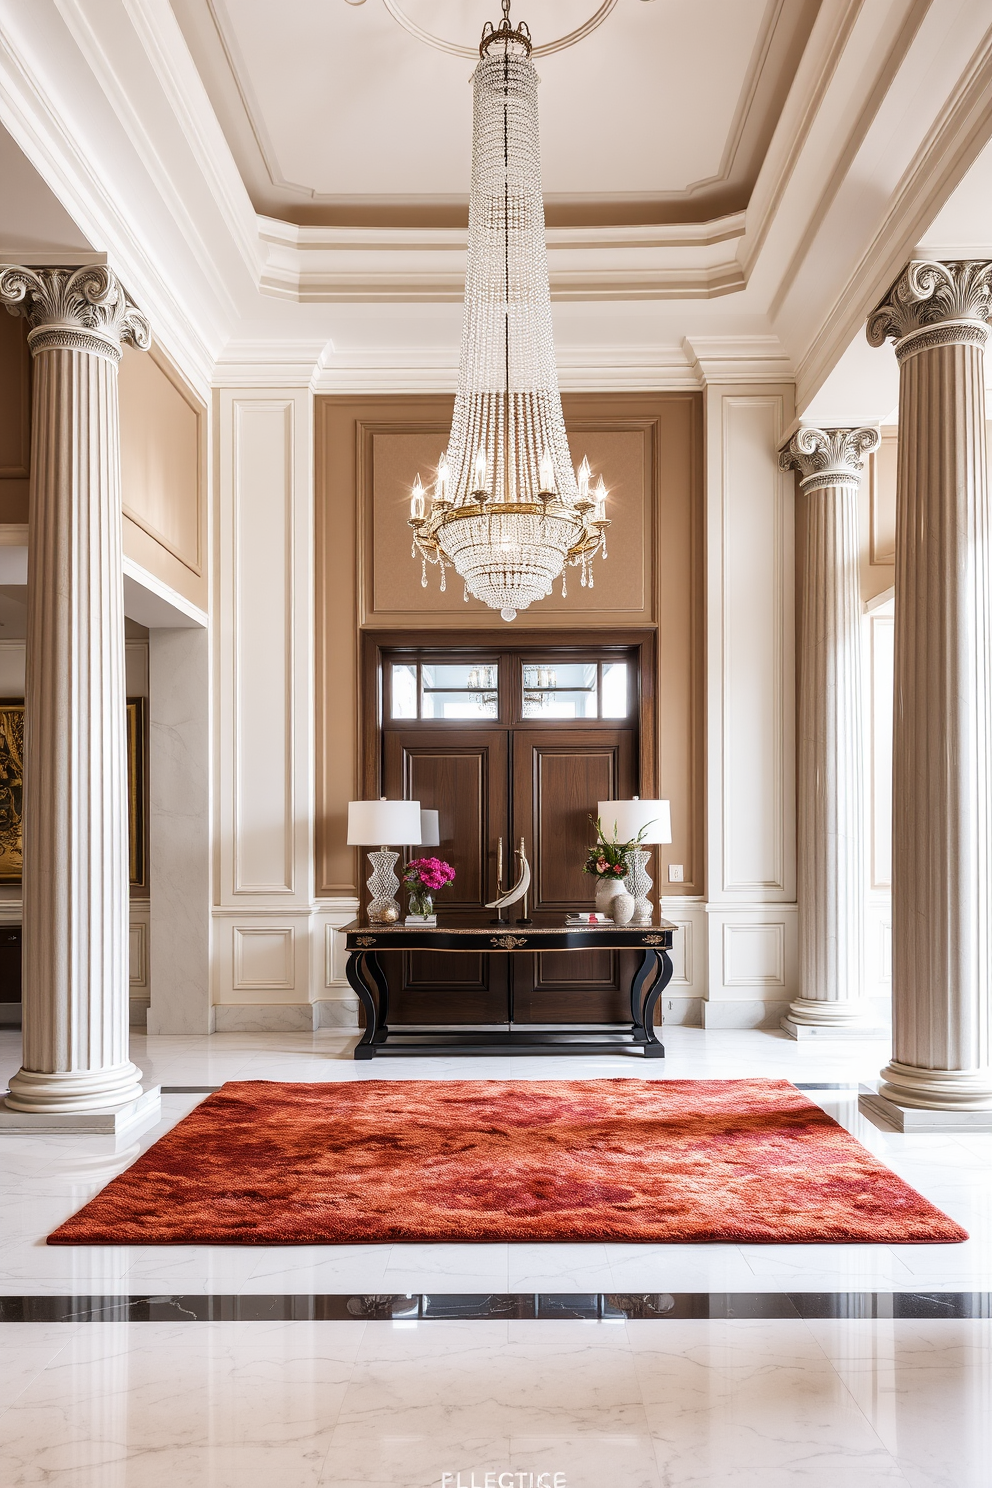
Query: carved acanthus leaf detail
(828, 456)
(927, 294)
(62, 305)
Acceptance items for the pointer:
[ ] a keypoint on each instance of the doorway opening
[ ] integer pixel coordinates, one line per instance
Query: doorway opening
(512, 741)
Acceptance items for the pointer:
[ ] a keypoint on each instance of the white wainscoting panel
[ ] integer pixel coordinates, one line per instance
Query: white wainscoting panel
(263, 761)
(139, 962)
(265, 527)
(879, 630)
(750, 533)
(758, 665)
(748, 948)
(263, 957)
(754, 956)
(263, 646)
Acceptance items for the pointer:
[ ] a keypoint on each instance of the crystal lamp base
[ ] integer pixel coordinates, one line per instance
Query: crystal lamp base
(383, 886)
(638, 884)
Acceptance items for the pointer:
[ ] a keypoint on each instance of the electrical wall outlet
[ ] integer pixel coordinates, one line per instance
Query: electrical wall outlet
(675, 874)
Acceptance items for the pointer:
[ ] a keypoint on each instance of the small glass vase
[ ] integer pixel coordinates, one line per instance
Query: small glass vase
(421, 902)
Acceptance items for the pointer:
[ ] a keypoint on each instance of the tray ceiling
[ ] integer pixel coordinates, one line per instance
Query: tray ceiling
(337, 114)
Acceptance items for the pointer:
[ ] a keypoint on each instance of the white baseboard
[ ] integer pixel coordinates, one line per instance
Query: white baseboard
(744, 1013)
(286, 1017)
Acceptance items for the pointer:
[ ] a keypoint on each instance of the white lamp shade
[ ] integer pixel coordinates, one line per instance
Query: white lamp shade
(623, 820)
(378, 823)
(430, 832)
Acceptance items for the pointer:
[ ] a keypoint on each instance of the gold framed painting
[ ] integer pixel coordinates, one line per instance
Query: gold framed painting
(11, 790)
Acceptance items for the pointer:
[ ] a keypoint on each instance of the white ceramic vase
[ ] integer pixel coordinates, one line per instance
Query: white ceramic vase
(607, 890)
(622, 907)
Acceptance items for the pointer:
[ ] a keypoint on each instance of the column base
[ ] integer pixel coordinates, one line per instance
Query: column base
(56, 1091)
(937, 1089)
(112, 1121)
(810, 1017)
(888, 1115)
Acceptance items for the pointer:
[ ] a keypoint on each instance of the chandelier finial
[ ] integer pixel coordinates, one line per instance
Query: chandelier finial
(505, 32)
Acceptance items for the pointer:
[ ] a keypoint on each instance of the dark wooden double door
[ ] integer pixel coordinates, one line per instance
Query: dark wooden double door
(538, 783)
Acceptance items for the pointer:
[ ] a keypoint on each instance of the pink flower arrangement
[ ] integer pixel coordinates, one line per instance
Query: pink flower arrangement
(430, 873)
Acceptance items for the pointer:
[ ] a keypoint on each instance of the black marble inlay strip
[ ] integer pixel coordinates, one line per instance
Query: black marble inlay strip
(212, 1089)
(439, 1306)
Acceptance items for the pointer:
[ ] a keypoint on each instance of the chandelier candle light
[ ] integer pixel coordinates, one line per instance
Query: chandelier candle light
(508, 512)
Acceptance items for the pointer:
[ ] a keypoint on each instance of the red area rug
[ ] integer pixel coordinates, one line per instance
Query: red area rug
(262, 1163)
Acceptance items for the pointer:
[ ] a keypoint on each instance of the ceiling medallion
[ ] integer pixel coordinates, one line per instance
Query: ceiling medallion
(456, 49)
(507, 511)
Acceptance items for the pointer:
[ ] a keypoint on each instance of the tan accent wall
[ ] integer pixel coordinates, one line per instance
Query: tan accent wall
(163, 460)
(163, 473)
(649, 449)
(15, 419)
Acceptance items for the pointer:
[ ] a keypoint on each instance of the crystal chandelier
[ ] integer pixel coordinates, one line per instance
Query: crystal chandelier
(507, 511)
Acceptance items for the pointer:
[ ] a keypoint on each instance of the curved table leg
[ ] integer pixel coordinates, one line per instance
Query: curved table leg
(636, 990)
(373, 969)
(653, 1047)
(353, 971)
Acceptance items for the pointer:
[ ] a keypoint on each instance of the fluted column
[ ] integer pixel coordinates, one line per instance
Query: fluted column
(830, 815)
(75, 789)
(937, 314)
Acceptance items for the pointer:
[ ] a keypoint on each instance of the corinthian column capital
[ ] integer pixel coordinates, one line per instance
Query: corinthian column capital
(85, 309)
(828, 457)
(935, 304)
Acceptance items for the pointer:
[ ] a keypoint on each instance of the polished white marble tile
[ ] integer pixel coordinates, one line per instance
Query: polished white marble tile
(926, 1388)
(806, 1268)
(679, 1268)
(447, 1268)
(130, 1403)
(559, 1268)
(317, 1268)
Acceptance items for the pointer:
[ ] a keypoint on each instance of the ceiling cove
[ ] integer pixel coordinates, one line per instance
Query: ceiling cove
(342, 116)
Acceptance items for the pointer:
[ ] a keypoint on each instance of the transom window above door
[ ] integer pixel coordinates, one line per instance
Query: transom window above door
(577, 689)
(512, 688)
(445, 690)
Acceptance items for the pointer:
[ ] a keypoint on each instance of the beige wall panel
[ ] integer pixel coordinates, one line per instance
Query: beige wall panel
(649, 448)
(393, 592)
(15, 419)
(338, 554)
(163, 469)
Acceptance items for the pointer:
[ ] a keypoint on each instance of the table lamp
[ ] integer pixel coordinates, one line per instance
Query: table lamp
(430, 833)
(383, 821)
(651, 821)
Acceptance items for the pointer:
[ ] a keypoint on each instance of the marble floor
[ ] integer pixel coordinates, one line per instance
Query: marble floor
(676, 1402)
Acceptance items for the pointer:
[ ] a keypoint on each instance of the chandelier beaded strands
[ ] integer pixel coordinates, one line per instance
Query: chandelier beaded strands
(507, 511)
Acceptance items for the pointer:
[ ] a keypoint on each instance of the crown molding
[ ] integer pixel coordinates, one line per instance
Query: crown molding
(370, 265)
(317, 366)
(734, 359)
(959, 133)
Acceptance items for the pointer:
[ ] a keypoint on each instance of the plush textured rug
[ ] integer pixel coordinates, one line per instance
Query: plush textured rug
(262, 1163)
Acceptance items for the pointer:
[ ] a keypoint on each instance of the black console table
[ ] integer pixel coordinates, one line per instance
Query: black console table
(367, 942)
